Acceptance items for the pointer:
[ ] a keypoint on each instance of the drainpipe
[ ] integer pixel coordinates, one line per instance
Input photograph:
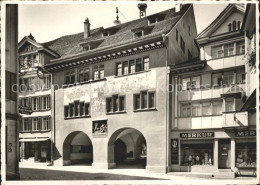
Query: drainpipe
(167, 102)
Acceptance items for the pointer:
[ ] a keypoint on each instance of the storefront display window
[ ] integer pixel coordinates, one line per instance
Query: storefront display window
(245, 154)
(197, 154)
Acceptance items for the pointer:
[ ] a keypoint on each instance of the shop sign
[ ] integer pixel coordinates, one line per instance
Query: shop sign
(100, 127)
(25, 110)
(174, 151)
(245, 133)
(197, 135)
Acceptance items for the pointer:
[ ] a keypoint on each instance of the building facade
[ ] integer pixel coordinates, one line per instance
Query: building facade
(110, 90)
(35, 102)
(210, 132)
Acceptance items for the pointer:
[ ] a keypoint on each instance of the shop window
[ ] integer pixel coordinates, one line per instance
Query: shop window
(196, 154)
(245, 154)
(229, 104)
(70, 77)
(115, 103)
(83, 75)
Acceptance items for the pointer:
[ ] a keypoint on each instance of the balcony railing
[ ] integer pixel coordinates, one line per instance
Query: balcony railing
(235, 119)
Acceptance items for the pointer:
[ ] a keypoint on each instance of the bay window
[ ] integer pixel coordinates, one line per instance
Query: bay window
(217, 52)
(206, 108)
(229, 104)
(185, 110)
(240, 47)
(46, 123)
(216, 107)
(229, 78)
(191, 83)
(229, 50)
(195, 109)
(241, 76)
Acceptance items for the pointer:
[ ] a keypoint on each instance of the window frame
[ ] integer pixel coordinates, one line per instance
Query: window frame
(141, 100)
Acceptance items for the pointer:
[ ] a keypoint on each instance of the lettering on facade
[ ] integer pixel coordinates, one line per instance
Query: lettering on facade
(197, 135)
(174, 151)
(245, 133)
(100, 127)
(25, 110)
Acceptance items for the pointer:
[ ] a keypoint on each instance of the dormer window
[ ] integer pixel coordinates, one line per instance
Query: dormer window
(105, 34)
(138, 34)
(86, 48)
(156, 18)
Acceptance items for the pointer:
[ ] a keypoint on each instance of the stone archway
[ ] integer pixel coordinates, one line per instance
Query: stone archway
(77, 149)
(127, 149)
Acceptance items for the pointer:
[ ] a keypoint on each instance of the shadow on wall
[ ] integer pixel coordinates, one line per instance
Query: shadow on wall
(56, 154)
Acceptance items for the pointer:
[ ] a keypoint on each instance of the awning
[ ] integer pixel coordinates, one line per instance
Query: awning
(33, 139)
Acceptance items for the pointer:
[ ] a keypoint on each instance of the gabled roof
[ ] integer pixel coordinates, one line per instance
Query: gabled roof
(220, 19)
(71, 45)
(30, 40)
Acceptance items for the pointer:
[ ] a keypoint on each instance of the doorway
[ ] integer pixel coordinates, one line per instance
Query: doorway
(224, 155)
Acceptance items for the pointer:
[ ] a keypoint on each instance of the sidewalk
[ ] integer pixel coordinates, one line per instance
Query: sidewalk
(136, 174)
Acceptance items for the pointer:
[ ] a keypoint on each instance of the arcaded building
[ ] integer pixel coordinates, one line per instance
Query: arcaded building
(212, 129)
(111, 84)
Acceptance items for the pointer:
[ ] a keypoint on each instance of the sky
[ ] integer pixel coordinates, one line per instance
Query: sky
(47, 22)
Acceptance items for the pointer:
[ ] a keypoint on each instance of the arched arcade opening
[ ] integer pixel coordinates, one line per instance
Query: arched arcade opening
(77, 149)
(127, 148)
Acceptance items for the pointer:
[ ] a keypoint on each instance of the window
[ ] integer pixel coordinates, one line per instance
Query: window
(182, 44)
(206, 109)
(228, 78)
(241, 76)
(83, 75)
(98, 72)
(137, 101)
(217, 108)
(177, 35)
(46, 82)
(146, 64)
(185, 110)
(217, 52)
(151, 100)
(70, 77)
(87, 109)
(197, 154)
(229, 50)
(229, 27)
(27, 124)
(24, 102)
(119, 69)
(77, 109)
(36, 122)
(240, 47)
(189, 29)
(217, 79)
(125, 68)
(115, 104)
(201, 109)
(152, 20)
(132, 66)
(229, 104)
(46, 123)
(138, 64)
(195, 109)
(234, 26)
(191, 83)
(71, 107)
(66, 111)
(245, 154)
(105, 34)
(35, 103)
(238, 25)
(81, 108)
(45, 102)
(144, 100)
(76, 105)
(138, 34)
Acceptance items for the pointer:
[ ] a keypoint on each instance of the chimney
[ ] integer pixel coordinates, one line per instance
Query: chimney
(178, 7)
(86, 28)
